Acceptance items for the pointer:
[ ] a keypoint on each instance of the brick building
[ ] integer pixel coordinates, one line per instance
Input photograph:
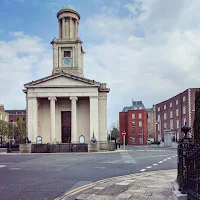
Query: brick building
(151, 122)
(172, 114)
(15, 115)
(133, 120)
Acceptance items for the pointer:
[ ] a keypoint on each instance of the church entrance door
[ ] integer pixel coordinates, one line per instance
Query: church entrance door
(66, 126)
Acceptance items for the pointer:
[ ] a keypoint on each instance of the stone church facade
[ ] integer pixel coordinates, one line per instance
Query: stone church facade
(66, 107)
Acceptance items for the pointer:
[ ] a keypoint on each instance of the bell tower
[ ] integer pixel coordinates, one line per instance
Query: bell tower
(67, 50)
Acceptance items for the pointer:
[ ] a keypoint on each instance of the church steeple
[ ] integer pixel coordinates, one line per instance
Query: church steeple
(67, 50)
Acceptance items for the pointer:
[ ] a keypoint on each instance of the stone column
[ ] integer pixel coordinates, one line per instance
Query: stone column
(32, 119)
(70, 28)
(59, 21)
(74, 123)
(63, 28)
(53, 118)
(94, 117)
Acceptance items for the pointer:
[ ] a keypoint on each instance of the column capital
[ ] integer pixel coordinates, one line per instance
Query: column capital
(94, 97)
(52, 98)
(73, 98)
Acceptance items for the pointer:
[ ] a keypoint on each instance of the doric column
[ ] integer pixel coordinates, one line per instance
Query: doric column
(63, 28)
(53, 117)
(74, 123)
(60, 29)
(94, 117)
(70, 27)
(32, 119)
(76, 29)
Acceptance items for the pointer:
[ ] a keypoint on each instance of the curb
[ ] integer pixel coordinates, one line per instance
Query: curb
(64, 153)
(117, 178)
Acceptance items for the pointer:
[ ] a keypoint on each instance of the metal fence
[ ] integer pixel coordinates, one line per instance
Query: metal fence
(189, 167)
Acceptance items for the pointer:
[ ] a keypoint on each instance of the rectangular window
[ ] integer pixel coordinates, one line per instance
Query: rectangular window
(140, 108)
(133, 123)
(171, 124)
(184, 121)
(171, 114)
(158, 126)
(133, 132)
(158, 117)
(140, 141)
(140, 131)
(133, 116)
(133, 140)
(184, 110)
(140, 124)
(135, 108)
(67, 54)
(171, 105)
(158, 109)
(177, 123)
(140, 116)
(165, 125)
(177, 112)
(165, 115)
(183, 98)
(165, 107)
(23, 119)
(176, 101)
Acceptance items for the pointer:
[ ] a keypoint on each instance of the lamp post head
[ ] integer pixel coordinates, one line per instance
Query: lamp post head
(185, 129)
(93, 139)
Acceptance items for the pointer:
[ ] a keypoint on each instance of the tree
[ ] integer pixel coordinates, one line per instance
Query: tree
(20, 130)
(3, 130)
(196, 125)
(114, 130)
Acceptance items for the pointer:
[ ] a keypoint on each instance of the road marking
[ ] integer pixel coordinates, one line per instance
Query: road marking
(127, 158)
(14, 168)
(173, 156)
(149, 167)
(151, 156)
(75, 191)
(155, 164)
(1, 166)
(142, 170)
(160, 162)
(169, 158)
(164, 160)
(100, 167)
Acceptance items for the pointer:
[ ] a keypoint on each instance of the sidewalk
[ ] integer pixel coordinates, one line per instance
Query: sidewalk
(156, 185)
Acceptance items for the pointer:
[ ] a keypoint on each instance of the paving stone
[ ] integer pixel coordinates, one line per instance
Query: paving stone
(113, 190)
(82, 196)
(124, 196)
(101, 197)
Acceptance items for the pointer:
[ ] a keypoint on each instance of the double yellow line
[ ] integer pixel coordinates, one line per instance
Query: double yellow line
(75, 191)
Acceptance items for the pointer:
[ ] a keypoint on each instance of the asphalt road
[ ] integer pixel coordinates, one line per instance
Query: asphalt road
(45, 177)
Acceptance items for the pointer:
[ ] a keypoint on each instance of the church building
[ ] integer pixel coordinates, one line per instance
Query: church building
(66, 107)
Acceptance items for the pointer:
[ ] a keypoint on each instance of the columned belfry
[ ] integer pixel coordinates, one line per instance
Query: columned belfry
(67, 50)
(66, 107)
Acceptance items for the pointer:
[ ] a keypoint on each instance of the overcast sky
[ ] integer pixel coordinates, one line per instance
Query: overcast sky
(145, 50)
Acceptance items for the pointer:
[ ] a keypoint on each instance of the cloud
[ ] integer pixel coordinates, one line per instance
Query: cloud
(152, 53)
(20, 62)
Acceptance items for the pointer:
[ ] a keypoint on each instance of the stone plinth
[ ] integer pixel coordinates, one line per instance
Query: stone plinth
(25, 148)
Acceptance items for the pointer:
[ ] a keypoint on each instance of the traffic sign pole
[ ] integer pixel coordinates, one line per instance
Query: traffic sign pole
(124, 142)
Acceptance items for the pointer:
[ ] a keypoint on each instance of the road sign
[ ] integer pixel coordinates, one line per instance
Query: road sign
(124, 133)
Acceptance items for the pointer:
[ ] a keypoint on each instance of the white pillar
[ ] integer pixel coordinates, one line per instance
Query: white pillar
(63, 28)
(74, 137)
(94, 117)
(53, 118)
(32, 119)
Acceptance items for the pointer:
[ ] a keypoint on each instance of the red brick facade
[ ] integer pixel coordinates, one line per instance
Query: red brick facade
(15, 115)
(182, 110)
(136, 134)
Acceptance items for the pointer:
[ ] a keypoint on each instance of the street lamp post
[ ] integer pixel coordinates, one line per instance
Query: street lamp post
(160, 134)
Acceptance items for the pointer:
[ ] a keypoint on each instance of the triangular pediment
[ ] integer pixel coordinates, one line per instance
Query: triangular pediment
(62, 80)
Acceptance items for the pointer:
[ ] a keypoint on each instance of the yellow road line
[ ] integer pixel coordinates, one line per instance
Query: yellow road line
(84, 187)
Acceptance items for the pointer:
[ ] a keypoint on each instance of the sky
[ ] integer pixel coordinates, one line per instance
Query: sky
(145, 50)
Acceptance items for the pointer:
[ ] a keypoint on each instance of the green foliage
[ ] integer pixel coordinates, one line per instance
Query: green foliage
(114, 131)
(10, 130)
(196, 125)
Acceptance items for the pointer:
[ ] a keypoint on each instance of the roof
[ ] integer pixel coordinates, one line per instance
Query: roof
(102, 86)
(68, 7)
(136, 105)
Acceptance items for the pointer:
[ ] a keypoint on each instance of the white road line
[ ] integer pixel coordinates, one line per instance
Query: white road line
(1, 166)
(173, 156)
(155, 164)
(142, 170)
(164, 160)
(160, 162)
(151, 156)
(127, 158)
(169, 158)
(149, 167)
